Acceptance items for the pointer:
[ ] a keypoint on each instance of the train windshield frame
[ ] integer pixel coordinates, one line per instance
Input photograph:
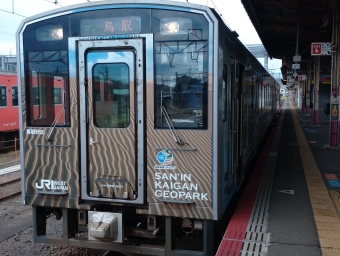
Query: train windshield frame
(180, 49)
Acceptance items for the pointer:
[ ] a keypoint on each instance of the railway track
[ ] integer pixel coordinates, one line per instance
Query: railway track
(10, 182)
(18, 225)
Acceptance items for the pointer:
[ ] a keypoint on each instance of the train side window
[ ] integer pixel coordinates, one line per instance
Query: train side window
(257, 96)
(261, 92)
(232, 92)
(14, 96)
(3, 96)
(224, 94)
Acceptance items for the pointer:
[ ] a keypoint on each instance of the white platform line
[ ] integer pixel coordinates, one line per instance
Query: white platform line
(10, 169)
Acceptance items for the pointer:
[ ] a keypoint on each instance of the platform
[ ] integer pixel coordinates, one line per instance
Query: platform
(291, 202)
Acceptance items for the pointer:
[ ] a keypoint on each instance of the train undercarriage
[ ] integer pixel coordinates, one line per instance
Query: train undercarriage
(134, 233)
(9, 140)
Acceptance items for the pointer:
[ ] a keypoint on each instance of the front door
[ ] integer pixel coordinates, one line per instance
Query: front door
(111, 93)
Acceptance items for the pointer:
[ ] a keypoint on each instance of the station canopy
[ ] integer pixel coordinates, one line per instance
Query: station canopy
(288, 27)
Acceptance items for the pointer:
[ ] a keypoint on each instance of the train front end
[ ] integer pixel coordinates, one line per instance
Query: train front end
(117, 136)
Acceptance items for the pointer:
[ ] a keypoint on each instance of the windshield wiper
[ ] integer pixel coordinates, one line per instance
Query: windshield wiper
(177, 139)
(51, 130)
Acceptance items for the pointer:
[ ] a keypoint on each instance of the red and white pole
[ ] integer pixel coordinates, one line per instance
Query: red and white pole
(307, 97)
(334, 103)
(316, 89)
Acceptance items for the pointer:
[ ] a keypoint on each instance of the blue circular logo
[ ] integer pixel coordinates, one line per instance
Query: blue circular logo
(165, 157)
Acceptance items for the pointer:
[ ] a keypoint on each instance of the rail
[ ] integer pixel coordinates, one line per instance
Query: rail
(10, 184)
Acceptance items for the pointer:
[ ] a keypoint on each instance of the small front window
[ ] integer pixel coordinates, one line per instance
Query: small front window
(3, 96)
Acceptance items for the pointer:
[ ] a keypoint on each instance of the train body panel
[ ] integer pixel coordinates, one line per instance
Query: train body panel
(9, 102)
(145, 114)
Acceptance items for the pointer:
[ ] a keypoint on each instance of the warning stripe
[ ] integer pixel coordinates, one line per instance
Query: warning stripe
(233, 238)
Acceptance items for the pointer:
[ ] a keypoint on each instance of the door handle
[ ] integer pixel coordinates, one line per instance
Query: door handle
(93, 142)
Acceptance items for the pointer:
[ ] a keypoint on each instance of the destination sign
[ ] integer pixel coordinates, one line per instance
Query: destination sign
(109, 26)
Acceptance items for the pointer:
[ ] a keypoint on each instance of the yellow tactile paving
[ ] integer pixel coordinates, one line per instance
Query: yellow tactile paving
(309, 166)
(313, 175)
(327, 226)
(322, 188)
(315, 179)
(330, 243)
(330, 252)
(325, 204)
(312, 182)
(322, 206)
(318, 201)
(330, 234)
(316, 187)
(328, 219)
(324, 212)
(314, 195)
(337, 205)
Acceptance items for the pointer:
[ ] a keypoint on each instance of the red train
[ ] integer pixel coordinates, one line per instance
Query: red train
(9, 121)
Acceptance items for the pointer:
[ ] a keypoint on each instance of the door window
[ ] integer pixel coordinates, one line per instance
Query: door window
(111, 94)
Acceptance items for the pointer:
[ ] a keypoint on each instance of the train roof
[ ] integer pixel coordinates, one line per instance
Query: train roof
(7, 73)
(88, 5)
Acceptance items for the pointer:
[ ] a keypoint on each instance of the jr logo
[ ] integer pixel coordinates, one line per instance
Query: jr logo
(52, 184)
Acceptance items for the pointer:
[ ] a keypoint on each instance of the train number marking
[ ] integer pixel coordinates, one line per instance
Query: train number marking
(10, 124)
(35, 131)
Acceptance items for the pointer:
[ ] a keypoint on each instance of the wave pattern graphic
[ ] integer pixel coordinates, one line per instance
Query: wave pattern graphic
(113, 152)
(43, 160)
(196, 163)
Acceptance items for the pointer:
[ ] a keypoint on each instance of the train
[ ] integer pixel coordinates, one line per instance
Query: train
(140, 121)
(9, 121)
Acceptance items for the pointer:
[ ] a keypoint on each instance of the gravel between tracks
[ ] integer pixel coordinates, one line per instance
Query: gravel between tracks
(21, 242)
(9, 159)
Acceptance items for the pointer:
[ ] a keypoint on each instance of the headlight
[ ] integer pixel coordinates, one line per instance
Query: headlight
(50, 33)
(179, 26)
(171, 27)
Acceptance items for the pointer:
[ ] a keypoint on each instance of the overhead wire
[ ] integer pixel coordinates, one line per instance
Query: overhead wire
(54, 2)
(17, 14)
(220, 13)
(13, 13)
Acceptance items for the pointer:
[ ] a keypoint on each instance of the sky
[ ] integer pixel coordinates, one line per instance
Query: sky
(12, 12)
